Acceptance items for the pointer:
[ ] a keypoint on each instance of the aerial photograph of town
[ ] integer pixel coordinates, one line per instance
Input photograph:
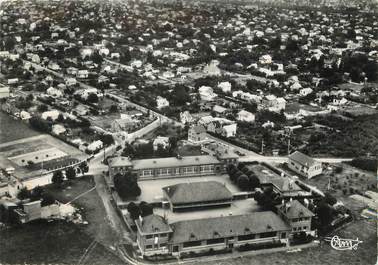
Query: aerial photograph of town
(220, 132)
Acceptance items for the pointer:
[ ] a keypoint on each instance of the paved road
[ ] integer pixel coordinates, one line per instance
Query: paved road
(112, 215)
(282, 159)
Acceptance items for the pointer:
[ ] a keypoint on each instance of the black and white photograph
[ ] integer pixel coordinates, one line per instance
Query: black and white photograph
(171, 132)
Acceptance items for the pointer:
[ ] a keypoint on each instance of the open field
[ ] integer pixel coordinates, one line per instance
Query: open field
(17, 154)
(12, 129)
(61, 242)
(50, 243)
(152, 189)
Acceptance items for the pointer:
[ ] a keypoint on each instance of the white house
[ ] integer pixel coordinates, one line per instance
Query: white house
(225, 86)
(58, 129)
(82, 74)
(24, 115)
(305, 91)
(161, 102)
(186, 117)
(206, 93)
(52, 91)
(94, 146)
(246, 116)
(53, 114)
(71, 81)
(265, 59)
(304, 165)
(229, 130)
(4, 92)
(160, 141)
(212, 68)
(275, 104)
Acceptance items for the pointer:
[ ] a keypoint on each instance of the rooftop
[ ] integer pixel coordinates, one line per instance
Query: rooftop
(302, 159)
(174, 162)
(152, 224)
(225, 226)
(197, 192)
(295, 209)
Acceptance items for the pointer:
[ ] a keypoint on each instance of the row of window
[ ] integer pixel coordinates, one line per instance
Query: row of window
(221, 240)
(161, 245)
(184, 170)
(296, 220)
(299, 228)
(159, 235)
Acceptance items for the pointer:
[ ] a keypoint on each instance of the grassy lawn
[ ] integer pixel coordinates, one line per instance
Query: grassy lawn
(15, 129)
(59, 241)
(45, 243)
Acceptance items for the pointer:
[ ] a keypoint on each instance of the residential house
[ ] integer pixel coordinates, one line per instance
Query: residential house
(161, 102)
(304, 165)
(153, 234)
(229, 130)
(82, 74)
(245, 116)
(206, 93)
(58, 129)
(94, 146)
(225, 87)
(305, 91)
(197, 133)
(160, 141)
(186, 117)
(297, 216)
(4, 91)
(53, 114)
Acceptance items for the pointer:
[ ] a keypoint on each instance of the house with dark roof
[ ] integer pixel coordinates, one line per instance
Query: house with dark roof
(297, 216)
(304, 165)
(197, 133)
(153, 235)
(204, 194)
(228, 232)
(156, 236)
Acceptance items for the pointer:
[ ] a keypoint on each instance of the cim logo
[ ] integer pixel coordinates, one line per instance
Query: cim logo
(342, 243)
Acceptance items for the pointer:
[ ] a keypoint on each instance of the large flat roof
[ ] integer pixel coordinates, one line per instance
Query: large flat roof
(174, 162)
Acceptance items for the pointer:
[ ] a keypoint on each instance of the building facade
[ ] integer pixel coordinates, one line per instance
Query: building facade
(216, 233)
(170, 166)
(304, 165)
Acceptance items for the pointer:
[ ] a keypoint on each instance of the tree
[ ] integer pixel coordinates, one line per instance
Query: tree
(36, 193)
(243, 182)
(39, 124)
(57, 177)
(92, 98)
(133, 210)
(70, 173)
(126, 185)
(23, 194)
(254, 182)
(145, 209)
(47, 199)
(329, 199)
(84, 167)
(107, 139)
(325, 213)
(113, 108)
(42, 108)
